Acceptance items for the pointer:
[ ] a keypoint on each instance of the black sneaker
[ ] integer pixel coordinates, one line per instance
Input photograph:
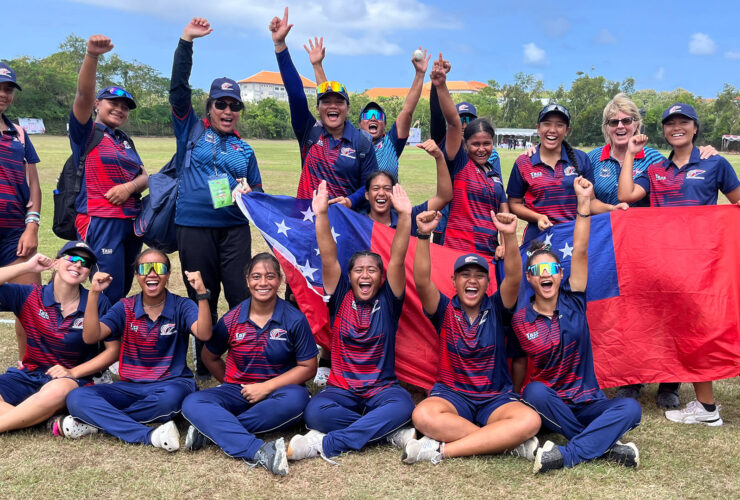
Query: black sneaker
(668, 395)
(625, 454)
(629, 391)
(548, 458)
(195, 440)
(272, 457)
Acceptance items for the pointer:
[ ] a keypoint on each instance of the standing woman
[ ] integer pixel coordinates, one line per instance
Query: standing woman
(552, 332)
(271, 354)
(212, 233)
(20, 193)
(113, 175)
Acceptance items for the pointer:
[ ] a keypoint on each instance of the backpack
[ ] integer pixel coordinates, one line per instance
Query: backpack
(155, 224)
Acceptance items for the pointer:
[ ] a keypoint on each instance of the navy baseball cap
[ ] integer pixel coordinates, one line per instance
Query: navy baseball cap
(78, 246)
(465, 108)
(225, 87)
(117, 93)
(327, 88)
(680, 109)
(8, 75)
(471, 259)
(554, 108)
(372, 105)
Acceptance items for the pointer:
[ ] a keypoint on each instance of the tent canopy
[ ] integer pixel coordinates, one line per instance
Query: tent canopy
(516, 132)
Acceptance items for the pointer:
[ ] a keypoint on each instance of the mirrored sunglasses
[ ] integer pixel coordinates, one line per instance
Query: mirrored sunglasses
(333, 86)
(76, 259)
(552, 268)
(146, 267)
(119, 92)
(373, 113)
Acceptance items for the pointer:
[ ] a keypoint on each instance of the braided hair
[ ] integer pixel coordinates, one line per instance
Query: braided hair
(537, 248)
(571, 156)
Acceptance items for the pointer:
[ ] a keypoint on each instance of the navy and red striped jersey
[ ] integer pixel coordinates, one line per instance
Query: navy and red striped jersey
(14, 191)
(473, 356)
(696, 183)
(259, 354)
(51, 338)
(152, 350)
(363, 339)
(559, 348)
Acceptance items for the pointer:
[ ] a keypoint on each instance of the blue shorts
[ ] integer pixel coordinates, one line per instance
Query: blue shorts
(471, 409)
(9, 238)
(18, 385)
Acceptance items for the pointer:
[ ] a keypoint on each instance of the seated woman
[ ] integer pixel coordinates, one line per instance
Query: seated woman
(56, 360)
(363, 401)
(153, 328)
(552, 332)
(271, 354)
(471, 410)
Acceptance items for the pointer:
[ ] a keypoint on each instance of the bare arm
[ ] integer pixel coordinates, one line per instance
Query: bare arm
(35, 264)
(517, 207)
(579, 261)
(84, 101)
(627, 190)
(518, 373)
(93, 331)
(214, 363)
(29, 240)
(400, 244)
(331, 270)
(403, 120)
(444, 183)
(100, 362)
(438, 75)
(426, 222)
(203, 328)
(316, 53)
(509, 289)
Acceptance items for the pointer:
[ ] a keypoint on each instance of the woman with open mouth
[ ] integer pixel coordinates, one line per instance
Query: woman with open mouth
(153, 327)
(212, 233)
(363, 401)
(683, 179)
(551, 333)
(56, 360)
(271, 354)
(471, 409)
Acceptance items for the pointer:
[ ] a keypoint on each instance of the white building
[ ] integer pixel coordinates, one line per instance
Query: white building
(270, 84)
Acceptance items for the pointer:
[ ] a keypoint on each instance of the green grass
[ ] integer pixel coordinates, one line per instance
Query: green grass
(677, 461)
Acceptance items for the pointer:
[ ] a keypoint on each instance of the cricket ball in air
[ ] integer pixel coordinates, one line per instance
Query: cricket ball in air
(418, 55)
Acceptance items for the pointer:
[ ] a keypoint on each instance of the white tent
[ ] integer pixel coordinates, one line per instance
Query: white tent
(727, 139)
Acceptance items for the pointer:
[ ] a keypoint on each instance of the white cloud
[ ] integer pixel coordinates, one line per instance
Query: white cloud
(733, 54)
(701, 45)
(604, 37)
(348, 28)
(556, 27)
(660, 74)
(533, 54)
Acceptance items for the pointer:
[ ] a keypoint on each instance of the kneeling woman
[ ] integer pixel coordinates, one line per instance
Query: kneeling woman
(56, 359)
(271, 354)
(153, 328)
(363, 401)
(471, 410)
(552, 332)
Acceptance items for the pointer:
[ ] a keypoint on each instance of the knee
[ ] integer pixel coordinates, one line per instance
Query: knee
(192, 405)
(536, 391)
(529, 421)
(53, 394)
(424, 417)
(313, 415)
(78, 398)
(632, 410)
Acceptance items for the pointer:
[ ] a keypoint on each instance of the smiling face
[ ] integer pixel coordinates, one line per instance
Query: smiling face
(552, 130)
(263, 281)
(479, 146)
(152, 284)
(73, 273)
(620, 135)
(379, 195)
(547, 285)
(471, 283)
(679, 131)
(365, 277)
(112, 112)
(224, 120)
(7, 92)
(333, 111)
(373, 126)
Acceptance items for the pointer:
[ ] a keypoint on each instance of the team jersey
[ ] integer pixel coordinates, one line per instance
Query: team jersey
(259, 354)
(606, 172)
(363, 339)
(51, 338)
(696, 183)
(110, 163)
(559, 348)
(152, 350)
(14, 190)
(388, 150)
(473, 356)
(548, 190)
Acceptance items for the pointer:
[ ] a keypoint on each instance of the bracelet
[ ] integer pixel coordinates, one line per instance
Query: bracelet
(582, 215)
(423, 236)
(33, 219)
(204, 296)
(28, 214)
(125, 184)
(91, 55)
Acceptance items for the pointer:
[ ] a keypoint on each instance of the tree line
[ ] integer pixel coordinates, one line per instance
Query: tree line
(50, 83)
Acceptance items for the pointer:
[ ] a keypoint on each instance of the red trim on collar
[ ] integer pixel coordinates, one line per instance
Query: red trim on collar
(606, 153)
(207, 124)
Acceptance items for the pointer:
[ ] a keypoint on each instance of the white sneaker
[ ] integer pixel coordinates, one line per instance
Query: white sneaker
(401, 437)
(424, 449)
(113, 368)
(322, 376)
(694, 413)
(104, 378)
(74, 429)
(166, 436)
(307, 445)
(527, 449)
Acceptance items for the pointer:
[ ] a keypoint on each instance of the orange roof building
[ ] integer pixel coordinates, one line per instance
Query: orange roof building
(455, 87)
(270, 84)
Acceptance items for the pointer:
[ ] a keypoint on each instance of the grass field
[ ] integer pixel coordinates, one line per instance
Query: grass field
(677, 461)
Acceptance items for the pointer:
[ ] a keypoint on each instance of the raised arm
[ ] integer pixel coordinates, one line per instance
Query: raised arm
(453, 139)
(403, 120)
(426, 222)
(581, 232)
(316, 53)
(180, 92)
(400, 244)
(35, 264)
(84, 101)
(627, 190)
(444, 183)
(509, 289)
(93, 331)
(331, 270)
(203, 328)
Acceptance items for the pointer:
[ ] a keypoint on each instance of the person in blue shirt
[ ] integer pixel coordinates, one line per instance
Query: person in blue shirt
(551, 332)
(212, 233)
(683, 179)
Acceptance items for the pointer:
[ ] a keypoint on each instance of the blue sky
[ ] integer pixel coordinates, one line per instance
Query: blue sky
(663, 45)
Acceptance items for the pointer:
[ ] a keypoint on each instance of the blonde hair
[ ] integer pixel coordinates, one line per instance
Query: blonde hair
(620, 102)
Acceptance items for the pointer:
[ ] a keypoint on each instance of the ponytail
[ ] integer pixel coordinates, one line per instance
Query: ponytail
(571, 156)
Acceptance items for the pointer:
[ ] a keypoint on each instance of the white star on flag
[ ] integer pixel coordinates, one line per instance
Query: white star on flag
(548, 239)
(334, 234)
(567, 250)
(318, 252)
(307, 215)
(282, 228)
(307, 270)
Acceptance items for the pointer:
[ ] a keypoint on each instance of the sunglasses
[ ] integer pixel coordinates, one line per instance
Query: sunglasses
(234, 106)
(119, 92)
(146, 267)
(624, 121)
(76, 259)
(552, 268)
(373, 113)
(465, 119)
(333, 86)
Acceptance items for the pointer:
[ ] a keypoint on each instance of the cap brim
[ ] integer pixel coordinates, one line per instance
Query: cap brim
(677, 114)
(85, 253)
(14, 84)
(467, 264)
(555, 112)
(332, 92)
(222, 93)
(131, 104)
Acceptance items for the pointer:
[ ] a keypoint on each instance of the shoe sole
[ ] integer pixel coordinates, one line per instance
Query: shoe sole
(548, 446)
(626, 460)
(194, 440)
(691, 420)
(280, 464)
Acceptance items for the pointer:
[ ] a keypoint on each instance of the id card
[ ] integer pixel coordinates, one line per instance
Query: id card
(220, 191)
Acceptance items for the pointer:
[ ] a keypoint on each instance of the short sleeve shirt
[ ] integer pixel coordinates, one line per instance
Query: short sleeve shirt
(606, 172)
(14, 190)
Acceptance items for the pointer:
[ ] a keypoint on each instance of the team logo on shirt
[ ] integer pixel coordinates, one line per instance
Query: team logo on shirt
(106, 251)
(695, 174)
(134, 328)
(348, 152)
(534, 175)
(78, 323)
(569, 170)
(126, 145)
(43, 314)
(236, 147)
(533, 335)
(240, 336)
(659, 177)
(167, 329)
(376, 307)
(210, 137)
(278, 334)
(483, 318)
(497, 180)
(379, 145)
(319, 142)
(604, 172)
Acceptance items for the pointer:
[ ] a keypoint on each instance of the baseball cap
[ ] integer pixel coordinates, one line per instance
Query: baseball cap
(680, 109)
(78, 246)
(471, 258)
(327, 88)
(465, 108)
(8, 75)
(225, 87)
(117, 93)
(371, 105)
(554, 108)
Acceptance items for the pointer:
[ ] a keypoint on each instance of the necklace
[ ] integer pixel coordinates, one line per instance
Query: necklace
(153, 305)
(61, 306)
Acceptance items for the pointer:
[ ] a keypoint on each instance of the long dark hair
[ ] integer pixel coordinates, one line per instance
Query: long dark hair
(571, 156)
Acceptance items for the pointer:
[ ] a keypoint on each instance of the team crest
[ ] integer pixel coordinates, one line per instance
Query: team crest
(569, 170)
(604, 172)
(240, 336)
(695, 174)
(674, 109)
(483, 318)
(43, 314)
(348, 152)
(278, 334)
(126, 145)
(134, 328)
(376, 307)
(78, 323)
(167, 329)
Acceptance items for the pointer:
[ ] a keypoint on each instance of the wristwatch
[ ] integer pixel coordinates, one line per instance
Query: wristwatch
(204, 296)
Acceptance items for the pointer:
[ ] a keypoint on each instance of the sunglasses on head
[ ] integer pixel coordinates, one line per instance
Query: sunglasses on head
(333, 86)
(234, 106)
(614, 122)
(119, 92)
(373, 113)
(75, 259)
(145, 268)
(552, 268)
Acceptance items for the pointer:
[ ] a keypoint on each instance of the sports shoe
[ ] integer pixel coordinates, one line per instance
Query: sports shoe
(629, 391)
(424, 449)
(668, 395)
(166, 436)
(547, 458)
(114, 368)
(307, 445)
(527, 449)
(694, 413)
(271, 456)
(75, 429)
(322, 376)
(625, 454)
(104, 378)
(54, 425)
(401, 437)
(195, 440)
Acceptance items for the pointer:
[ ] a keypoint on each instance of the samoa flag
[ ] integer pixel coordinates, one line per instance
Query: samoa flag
(663, 291)
(288, 226)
